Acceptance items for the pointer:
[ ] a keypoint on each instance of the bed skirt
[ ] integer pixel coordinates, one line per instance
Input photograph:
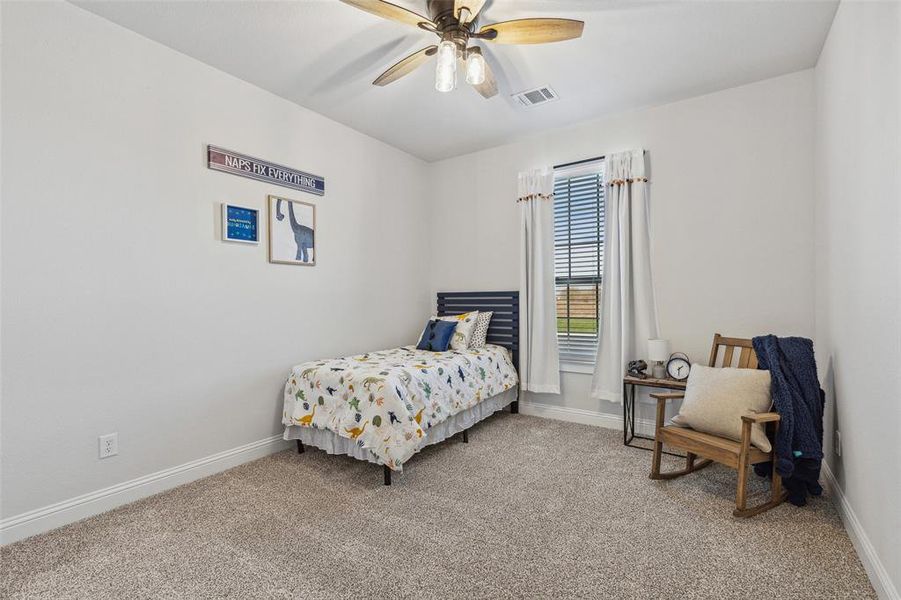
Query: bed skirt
(335, 444)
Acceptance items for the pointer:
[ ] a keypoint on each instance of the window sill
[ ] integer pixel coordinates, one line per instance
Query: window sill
(577, 368)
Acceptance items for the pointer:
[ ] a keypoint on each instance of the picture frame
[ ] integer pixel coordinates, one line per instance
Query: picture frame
(240, 224)
(292, 231)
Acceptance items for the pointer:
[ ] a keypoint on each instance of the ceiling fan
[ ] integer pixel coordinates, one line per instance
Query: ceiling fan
(454, 21)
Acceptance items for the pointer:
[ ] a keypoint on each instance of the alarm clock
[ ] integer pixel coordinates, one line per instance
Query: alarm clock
(678, 366)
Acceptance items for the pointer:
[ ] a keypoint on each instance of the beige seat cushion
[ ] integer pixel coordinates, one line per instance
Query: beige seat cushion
(716, 399)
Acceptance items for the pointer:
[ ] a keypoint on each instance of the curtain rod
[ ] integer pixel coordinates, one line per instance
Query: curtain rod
(579, 162)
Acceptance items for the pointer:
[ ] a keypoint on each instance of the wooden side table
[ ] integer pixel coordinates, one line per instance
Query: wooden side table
(629, 385)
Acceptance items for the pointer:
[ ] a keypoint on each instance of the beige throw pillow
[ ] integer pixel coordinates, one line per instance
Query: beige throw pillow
(716, 399)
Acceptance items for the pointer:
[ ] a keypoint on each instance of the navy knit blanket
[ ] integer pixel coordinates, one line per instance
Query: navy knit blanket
(798, 399)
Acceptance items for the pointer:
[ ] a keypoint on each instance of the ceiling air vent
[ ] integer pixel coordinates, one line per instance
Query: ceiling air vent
(540, 95)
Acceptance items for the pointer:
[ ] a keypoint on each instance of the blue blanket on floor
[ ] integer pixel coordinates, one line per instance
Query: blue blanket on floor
(798, 399)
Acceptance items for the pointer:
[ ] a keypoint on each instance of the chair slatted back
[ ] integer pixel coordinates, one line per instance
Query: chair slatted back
(747, 358)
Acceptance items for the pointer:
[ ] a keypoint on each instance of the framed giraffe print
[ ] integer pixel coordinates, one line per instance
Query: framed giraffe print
(292, 232)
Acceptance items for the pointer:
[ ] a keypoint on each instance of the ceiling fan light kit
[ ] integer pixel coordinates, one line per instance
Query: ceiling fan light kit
(454, 21)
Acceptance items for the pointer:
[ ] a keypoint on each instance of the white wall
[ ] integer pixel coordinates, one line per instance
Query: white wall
(858, 300)
(732, 210)
(121, 309)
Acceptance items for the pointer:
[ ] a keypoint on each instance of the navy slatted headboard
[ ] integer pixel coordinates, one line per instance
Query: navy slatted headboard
(503, 330)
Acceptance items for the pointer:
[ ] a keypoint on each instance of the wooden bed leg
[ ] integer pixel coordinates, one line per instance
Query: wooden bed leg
(514, 407)
(299, 447)
(465, 436)
(387, 474)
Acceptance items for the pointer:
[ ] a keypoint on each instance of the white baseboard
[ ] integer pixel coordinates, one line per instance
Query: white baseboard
(81, 507)
(876, 571)
(585, 417)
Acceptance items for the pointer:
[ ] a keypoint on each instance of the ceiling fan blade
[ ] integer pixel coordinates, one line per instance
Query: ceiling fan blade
(386, 10)
(487, 88)
(532, 31)
(472, 8)
(405, 66)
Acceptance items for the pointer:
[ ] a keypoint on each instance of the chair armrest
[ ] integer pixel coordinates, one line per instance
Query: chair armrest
(766, 417)
(664, 396)
(661, 398)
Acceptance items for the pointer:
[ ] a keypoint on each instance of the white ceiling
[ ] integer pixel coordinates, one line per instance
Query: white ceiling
(323, 55)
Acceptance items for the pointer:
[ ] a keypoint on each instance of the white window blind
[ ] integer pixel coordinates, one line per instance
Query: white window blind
(578, 257)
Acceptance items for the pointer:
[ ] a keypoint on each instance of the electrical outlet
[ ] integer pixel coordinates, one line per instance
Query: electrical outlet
(838, 442)
(109, 445)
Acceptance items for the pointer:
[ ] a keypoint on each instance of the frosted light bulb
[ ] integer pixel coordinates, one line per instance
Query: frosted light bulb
(475, 68)
(446, 67)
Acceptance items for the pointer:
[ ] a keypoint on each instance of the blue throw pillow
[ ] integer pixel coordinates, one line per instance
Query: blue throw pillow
(437, 335)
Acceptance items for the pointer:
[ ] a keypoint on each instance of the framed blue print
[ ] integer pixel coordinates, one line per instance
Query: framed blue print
(240, 224)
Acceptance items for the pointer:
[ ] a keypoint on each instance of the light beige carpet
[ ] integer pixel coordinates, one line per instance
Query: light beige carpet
(530, 508)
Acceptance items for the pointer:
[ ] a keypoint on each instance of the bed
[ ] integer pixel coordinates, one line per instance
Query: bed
(384, 406)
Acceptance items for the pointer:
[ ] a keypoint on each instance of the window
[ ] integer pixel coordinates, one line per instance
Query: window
(578, 257)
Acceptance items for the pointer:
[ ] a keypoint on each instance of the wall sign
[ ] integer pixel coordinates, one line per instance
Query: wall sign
(220, 159)
(240, 224)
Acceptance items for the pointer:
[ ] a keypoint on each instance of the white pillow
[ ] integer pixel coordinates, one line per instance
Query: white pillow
(466, 324)
(480, 333)
(716, 399)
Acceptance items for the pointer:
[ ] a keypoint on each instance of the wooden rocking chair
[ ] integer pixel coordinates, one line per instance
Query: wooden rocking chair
(737, 455)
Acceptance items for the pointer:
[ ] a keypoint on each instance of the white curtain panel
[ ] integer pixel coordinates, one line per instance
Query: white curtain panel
(539, 360)
(628, 314)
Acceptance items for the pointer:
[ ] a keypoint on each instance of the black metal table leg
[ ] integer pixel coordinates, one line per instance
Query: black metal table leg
(629, 434)
(632, 414)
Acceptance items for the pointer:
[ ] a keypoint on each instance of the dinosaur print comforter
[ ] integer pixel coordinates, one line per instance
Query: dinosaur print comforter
(386, 401)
